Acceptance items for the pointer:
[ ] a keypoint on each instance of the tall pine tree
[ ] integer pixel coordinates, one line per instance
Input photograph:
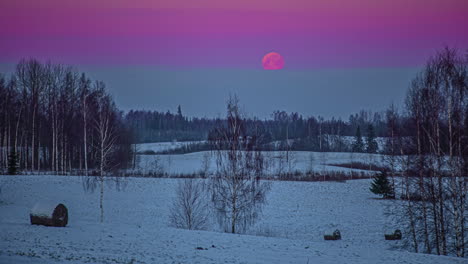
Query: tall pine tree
(179, 111)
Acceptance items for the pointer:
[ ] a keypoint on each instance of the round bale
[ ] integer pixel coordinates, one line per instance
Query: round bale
(49, 214)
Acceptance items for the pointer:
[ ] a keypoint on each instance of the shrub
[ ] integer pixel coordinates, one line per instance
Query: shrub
(190, 210)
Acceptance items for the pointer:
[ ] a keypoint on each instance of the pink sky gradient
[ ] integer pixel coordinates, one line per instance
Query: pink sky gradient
(210, 33)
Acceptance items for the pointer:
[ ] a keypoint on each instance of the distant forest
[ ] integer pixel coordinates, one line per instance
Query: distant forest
(302, 133)
(154, 126)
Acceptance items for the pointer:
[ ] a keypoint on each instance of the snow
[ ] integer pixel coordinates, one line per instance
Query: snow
(301, 160)
(136, 227)
(44, 209)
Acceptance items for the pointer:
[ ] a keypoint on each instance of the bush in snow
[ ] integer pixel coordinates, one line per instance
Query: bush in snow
(190, 210)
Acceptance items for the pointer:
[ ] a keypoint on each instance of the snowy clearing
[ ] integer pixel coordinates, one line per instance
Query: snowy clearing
(136, 227)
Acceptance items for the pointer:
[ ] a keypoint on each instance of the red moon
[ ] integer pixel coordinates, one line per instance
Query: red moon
(273, 61)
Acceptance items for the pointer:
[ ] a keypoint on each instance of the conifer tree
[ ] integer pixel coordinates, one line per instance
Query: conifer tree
(12, 162)
(381, 186)
(358, 145)
(179, 111)
(372, 146)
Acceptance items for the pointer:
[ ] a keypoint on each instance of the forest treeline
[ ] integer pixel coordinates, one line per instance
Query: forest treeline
(54, 118)
(154, 126)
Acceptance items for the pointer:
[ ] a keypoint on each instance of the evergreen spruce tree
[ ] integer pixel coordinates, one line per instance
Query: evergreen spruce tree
(372, 146)
(179, 111)
(381, 186)
(12, 162)
(358, 145)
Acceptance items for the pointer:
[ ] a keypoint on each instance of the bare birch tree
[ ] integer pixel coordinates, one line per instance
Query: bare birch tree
(237, 191)
(104, 140)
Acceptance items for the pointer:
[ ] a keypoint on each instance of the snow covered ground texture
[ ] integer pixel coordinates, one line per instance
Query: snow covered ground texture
(136, 227)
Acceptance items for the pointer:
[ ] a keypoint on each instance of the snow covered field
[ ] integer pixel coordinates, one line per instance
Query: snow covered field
(163, 146)
(136, 227)
(300, 160)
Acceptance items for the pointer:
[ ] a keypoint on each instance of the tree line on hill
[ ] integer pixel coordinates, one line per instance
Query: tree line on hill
(301, 133)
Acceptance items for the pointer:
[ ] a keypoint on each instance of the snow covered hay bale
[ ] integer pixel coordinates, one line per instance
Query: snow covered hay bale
(395, 236)
(49, 214)
(336, 236)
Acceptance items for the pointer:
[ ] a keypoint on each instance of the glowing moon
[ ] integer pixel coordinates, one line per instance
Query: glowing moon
(273, 61)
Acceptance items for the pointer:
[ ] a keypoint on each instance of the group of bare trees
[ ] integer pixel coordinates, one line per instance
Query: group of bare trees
(435, 174)
(58, 120)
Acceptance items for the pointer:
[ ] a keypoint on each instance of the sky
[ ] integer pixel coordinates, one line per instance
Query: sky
(339, 56)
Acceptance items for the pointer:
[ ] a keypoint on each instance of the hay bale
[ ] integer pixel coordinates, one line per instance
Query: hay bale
(336, 236)
(395, 236)
(49, 215)
(329, 237)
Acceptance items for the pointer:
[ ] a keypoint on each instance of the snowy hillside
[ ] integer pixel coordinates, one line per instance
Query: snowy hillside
(136, 229)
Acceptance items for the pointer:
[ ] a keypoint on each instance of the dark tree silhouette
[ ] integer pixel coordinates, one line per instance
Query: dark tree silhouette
(381, 185)
(12, 162)
(371, 143)
(358, 144)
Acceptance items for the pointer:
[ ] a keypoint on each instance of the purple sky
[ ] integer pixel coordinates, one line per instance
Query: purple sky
(357, 53)
(309, 34)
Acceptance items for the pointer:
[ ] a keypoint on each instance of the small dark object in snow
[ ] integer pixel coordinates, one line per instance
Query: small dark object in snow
(336, 236)
(213, 246)
(200, 248)
(49, 216)
(395, 236)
